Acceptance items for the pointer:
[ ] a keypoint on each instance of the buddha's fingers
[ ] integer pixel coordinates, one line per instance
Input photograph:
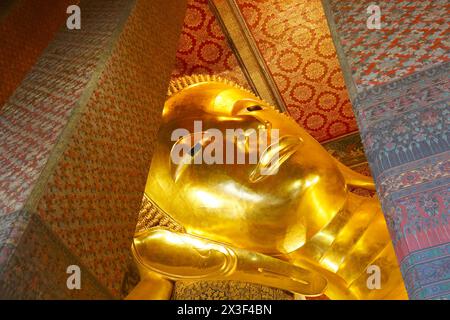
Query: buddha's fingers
(180, 256)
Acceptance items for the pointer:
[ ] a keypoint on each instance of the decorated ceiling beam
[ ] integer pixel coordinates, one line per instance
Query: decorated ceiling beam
(246, 51)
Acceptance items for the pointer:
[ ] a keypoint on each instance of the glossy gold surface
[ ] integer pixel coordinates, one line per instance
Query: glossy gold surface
(178, 256)
(242, 224)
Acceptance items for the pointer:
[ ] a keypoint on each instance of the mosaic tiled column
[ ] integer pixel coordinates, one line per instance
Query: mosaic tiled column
(76, 140)
(398, 80)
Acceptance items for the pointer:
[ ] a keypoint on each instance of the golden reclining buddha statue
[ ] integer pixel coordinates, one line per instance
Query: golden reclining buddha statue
(285, 220)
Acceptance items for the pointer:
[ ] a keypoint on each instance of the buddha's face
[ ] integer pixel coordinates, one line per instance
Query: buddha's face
(271, 204)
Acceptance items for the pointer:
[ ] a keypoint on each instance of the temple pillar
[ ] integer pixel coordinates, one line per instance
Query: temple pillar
(26, 28)
(76, 143)
(397, 76)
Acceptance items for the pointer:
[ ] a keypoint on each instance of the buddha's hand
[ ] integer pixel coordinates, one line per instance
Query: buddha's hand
(181, 256)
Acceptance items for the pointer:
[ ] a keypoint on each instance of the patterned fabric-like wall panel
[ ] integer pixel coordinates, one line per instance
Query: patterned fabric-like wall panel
(26, 28)
(203, 49)
(414, 35)
(398, 76)
(295, 43)
(79, 132)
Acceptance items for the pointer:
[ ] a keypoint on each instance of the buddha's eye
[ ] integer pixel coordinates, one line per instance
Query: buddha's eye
(254, 108)
(195, 149)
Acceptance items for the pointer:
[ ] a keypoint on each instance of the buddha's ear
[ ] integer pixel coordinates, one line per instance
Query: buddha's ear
(354, 178)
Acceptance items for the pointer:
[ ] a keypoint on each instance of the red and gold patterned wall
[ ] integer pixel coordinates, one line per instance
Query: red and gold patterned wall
(25, 31)
(203, 47)
(76, 143)
(295, 42)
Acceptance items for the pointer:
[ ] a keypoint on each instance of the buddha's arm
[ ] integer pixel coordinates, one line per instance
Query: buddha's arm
(180, 256)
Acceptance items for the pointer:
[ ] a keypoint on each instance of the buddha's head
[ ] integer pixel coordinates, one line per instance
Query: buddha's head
(271, 203)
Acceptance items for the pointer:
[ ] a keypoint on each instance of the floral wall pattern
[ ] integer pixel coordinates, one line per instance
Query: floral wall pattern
(203, 48)
(294, 39)
(414, 35)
